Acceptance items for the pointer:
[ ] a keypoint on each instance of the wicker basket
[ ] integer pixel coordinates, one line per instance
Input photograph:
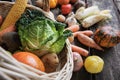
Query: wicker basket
(11, 69)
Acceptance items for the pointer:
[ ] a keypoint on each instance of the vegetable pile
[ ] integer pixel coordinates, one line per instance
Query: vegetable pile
(41, 35)
(79, 19)
(32, 32)
(35, 40)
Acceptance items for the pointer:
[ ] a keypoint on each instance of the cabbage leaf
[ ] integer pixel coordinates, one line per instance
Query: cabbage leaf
(41, 35)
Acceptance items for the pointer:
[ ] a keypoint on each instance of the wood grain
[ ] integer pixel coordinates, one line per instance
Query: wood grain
(117, 2)
(111, 56)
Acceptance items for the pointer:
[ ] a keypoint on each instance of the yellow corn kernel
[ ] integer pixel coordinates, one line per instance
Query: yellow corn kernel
(15, 13)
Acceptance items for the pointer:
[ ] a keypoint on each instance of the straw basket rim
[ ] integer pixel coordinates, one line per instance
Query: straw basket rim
(63, 74)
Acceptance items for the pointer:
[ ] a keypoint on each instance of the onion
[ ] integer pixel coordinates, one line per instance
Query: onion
(78, 62)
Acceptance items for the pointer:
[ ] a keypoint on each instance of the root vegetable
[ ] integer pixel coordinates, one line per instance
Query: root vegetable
(74, 28)
(12, 61)
(80, 50)
(91, 20)
(1, 19)
(71, 20)
(50, 61)
(88, 41)
(87, 33)
(60, 18)
(83, 12)
(71, 38)
(29, 59)
(78, 62)
(10, 41)
(10, 28)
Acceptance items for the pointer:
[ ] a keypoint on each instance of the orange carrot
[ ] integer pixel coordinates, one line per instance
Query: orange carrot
(76, 33)
(88, 41)
(1, 19)
(74, 28)
(79, 50)
(71, 38)
(8, 29)
(87, 32)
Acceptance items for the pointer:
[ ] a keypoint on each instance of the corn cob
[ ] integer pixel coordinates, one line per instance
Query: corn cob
(14, 13)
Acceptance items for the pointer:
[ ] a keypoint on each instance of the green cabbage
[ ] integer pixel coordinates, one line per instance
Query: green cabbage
(41, 35)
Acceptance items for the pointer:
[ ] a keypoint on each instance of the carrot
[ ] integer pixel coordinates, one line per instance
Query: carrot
(71, 38)
(1, 19)
(74, 28)
(88, 41)
(79, 50)
(87, 32)
(8, 29)
(76, 33)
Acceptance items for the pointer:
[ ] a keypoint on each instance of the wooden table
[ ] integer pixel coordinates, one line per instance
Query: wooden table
(110, 56)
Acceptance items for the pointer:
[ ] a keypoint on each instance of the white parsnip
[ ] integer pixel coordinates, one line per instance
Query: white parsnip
(91, 20)
(82, 13)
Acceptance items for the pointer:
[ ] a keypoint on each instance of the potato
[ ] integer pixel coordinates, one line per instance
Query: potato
(78, 61)
(10, 41)
(61, 18)
(50, 61)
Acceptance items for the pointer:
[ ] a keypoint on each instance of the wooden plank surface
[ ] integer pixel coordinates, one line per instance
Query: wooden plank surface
(110, 56)
(117, 2)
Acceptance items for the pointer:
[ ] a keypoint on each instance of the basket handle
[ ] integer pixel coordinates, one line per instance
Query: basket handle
(46, 6)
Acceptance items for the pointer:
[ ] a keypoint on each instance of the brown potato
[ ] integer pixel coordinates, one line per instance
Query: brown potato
(50, 61)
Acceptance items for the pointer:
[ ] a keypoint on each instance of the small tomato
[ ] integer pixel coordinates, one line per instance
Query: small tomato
(66, 9)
